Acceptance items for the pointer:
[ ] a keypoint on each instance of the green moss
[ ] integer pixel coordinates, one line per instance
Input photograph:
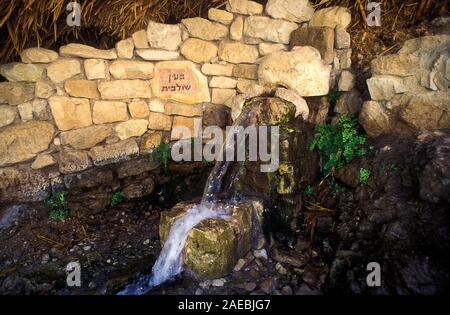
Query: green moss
(364, 175)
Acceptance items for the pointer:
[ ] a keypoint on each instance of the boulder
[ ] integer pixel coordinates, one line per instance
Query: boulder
(139, 189)
(321, 38)
(180, 81)
(384, 87)
(38, 55)
(138, 109)
(62, 69)
(236, 52)
(131, 128)
(140, 39)
(193, 124)
(223, 82)
(7, 115)
(22, 72)
(44, 89)
(246, 71)
(159, 121)
(331, 17)
(113, 153)
(83, 51)
(375, 119)
(85, 138)
(272, 30)
(15, 93)
(135, 167)
(131, 69)
(22, 184)
(124, 89)
(157, 54)
(24, 141)
(82, 88)
(428, 111)
(220, 16)
(70, 113)
(223, 96)
(150, 141)
(125, 48)
(213, 246)
(218, 69)
(245, 7)
(297, 11)
(43, 160)
(237, 28)
(71, 161)
(95, 69)
(198, 50)
(25, 111)
(301, 70)
(163, 36)
(301, 107)
(181, 109)
(109, 111)
(202, 28)
(267, 48)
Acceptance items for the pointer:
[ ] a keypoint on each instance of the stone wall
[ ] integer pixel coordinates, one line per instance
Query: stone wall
(62, 113)
(410, 90)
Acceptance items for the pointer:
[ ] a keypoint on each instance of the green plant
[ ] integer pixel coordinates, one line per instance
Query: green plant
(57, 205)
(333, 96)
(309, 191)
(117, 198)
(161, 154)
(338, 144)
(364, 175)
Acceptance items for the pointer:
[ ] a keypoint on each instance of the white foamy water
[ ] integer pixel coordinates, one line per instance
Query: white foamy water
(170, 261)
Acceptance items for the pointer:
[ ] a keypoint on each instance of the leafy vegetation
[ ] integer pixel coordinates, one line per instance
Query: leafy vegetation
(338, 144)
(333, 96)
(364, 175)
(57, 205)
(117, 198)
(161, 154)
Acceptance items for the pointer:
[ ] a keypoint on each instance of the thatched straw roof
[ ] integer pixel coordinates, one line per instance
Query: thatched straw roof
(28, 23)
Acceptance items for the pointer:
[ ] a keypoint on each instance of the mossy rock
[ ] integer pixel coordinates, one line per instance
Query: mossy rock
(214, 245)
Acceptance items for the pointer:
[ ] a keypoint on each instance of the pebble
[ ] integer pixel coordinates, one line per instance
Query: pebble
(198, 292)
(250, 286)
(205, 284)
(146, 242)
(286, 290)
(262, 253)
(239, 265)
(45, 258)
(86, 248)
(267, 286)
(280, 269)
(218, 282)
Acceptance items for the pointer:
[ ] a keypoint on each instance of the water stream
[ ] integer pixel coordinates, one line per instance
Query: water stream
(170, 261)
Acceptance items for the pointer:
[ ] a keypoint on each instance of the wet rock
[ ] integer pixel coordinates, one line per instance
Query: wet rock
(214, 245)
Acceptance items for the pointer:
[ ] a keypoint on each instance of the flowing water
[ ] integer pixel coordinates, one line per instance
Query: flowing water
(170, 261)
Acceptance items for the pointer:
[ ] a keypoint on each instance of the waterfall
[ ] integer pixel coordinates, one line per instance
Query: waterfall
(170, 261)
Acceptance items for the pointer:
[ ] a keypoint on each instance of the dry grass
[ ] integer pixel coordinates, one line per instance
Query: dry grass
(28, 23)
